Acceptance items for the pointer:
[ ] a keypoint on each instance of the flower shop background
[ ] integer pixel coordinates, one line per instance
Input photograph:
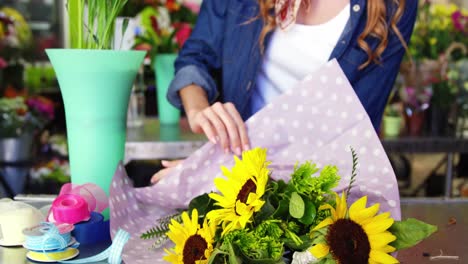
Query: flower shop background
(429, 101)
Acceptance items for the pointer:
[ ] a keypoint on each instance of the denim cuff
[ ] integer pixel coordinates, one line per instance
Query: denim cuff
(188, 75)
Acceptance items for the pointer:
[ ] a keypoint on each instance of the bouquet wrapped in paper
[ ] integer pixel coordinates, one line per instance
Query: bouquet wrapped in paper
(315, 151)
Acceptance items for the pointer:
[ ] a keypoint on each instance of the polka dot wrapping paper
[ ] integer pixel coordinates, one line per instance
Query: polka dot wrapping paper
(317, 120)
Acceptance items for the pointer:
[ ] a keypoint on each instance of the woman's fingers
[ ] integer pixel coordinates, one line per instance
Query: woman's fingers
(231, 127)
(219, 128)
(159, 175)
(221, 123)
(241, 128)
(168, 165)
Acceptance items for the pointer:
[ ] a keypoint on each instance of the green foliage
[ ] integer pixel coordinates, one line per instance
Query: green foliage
(353, 171)
(255, 247)
(410, 232)
(96, 30)
(159, 231)
(314, 188)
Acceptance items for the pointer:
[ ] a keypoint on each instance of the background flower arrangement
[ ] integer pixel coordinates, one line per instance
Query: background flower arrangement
(256, 220)
(439, 39)
(15, 35)
(20, 115)
(166, 25)
(437, 27)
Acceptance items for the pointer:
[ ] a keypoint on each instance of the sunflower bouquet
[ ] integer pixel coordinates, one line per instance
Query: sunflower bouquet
(254, 219)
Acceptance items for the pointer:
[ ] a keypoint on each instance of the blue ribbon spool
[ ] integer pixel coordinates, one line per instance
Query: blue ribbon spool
(93, 231)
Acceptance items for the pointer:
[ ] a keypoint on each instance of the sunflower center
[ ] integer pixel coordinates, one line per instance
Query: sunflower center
(194, 249)
(348, 242)
(248, 187)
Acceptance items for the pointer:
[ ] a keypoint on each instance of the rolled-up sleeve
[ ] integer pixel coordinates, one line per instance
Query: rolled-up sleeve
(188, 75)
(201, 53)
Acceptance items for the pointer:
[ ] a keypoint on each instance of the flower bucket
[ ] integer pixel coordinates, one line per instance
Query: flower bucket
(392, 126)
(164, 73)
(16, 154)
(95, 86)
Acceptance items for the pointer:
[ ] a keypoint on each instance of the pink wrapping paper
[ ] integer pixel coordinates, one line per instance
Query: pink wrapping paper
(318, 120)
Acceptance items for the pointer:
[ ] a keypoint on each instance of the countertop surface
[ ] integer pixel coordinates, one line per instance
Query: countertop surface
(451, 217)
(451, 239)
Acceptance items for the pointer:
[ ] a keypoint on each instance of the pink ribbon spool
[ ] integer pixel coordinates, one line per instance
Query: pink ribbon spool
(70, 209)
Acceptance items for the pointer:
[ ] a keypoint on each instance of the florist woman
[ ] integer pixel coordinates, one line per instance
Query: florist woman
(243, 53)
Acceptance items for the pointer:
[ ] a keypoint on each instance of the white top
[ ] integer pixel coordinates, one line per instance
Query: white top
(295, 53)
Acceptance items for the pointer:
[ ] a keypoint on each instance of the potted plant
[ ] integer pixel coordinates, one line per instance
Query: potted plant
(95, 81)
(165, 26)
(20, 121)
(416, 102)
(392, 120)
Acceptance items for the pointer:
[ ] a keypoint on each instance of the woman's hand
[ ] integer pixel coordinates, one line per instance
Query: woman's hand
(168, 166)
(221, 123)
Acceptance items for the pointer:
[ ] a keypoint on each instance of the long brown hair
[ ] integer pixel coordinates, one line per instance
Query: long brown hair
(376, 26)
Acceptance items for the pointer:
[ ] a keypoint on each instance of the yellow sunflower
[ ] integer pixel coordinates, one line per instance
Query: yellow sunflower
(356, 235)
(193, 245)
(241, 192)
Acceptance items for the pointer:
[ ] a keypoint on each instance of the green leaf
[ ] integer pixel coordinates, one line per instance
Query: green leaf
(296, 205)
(124, 29)
(309, 213)
(216, 256)
(233, 259)
(266, 211)
(410, 232)
(202, 203)
(282, 210)
(306, 243)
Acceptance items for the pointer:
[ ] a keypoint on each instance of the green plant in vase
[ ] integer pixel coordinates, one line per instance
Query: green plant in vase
(165, 28)
(95, 82)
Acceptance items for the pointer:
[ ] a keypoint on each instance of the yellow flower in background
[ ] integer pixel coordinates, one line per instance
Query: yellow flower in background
(355, 235)
(241, 192)
(22, 29)
(433, 41)
(192, 243)
(443, 9)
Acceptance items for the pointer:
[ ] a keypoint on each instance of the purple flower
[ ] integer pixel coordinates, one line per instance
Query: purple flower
(459, 21)
(42, 105)
(3, 63)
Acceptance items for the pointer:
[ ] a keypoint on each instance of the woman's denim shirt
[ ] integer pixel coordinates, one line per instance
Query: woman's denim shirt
(223, 55)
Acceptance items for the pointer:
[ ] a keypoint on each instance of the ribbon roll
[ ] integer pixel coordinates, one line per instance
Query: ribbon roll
(68, 253)
(14, 217)
(69, 208)
(113, 254)
(47, 237)
(93, 231)
(94, 195)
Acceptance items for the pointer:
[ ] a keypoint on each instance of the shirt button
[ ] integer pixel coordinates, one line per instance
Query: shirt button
(356, 8)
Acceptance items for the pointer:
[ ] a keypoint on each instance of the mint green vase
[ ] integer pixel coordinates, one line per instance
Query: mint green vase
(95, 86)
(164, 73)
